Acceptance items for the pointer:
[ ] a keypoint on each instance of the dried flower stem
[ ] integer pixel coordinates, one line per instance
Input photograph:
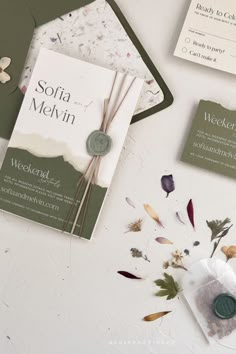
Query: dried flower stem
(216, 244)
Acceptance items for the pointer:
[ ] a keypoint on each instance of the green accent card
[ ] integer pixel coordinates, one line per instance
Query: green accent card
(211, 143)
(48, 176)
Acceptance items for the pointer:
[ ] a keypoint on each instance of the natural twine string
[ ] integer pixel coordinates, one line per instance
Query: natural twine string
(90, 175)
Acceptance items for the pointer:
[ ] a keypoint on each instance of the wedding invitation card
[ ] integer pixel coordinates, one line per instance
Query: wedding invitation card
(211, 143)
(208, 34)
(66, 142)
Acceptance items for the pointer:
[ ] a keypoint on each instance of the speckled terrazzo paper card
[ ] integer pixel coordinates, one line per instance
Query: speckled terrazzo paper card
(47, 170)
(99, 34)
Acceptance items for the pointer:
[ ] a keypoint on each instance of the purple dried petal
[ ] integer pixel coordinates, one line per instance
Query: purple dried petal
(168, 184)
(190, 211)
(128, 275)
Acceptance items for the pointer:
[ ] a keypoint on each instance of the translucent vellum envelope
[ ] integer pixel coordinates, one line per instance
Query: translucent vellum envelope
(205, 282)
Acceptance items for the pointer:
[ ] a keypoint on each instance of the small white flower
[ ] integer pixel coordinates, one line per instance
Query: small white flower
(4, 63)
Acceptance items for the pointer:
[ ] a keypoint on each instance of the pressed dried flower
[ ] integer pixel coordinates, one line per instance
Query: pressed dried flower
(177, 255)
(135, 226)
(166, 265)
(175, 261)
(136, 253)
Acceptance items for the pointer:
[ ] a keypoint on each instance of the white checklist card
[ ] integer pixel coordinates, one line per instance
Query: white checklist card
(208, 36)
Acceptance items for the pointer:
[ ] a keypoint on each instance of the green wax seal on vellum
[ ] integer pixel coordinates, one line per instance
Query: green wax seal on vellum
(224, 306)
(98, 143)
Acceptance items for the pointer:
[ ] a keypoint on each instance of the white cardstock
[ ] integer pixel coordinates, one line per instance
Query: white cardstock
(63, 89)
(208, 36)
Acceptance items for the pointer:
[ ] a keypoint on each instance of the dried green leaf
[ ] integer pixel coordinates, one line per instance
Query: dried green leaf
(218, 231)
(169, 287)
(160, 282)
(162, 293)
(218, 228)
(138, 254)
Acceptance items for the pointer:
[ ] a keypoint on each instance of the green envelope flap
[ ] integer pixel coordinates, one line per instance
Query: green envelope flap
(9, 111)
(46, 10)
(16, 28)
(18, 19)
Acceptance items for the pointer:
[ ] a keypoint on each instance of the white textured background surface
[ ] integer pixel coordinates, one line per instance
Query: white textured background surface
(61, 295)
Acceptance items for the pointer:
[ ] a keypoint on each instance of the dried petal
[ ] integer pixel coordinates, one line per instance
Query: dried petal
(230, 252)
(179, 218)
(190, 211)
(151, 212)
(155, 316)
(5, 62)
(168, 184)
(128, 275)
(4, 77)
(129, 201)
(164, 241)
(224, 249)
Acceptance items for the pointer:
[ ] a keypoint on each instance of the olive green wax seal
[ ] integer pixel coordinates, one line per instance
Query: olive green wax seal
(98, 143)
(224, 306)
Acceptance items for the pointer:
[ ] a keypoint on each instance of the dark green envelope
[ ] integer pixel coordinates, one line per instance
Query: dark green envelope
(18, 19)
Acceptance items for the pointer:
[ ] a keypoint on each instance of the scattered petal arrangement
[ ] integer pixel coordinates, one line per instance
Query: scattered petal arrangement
(169, 287)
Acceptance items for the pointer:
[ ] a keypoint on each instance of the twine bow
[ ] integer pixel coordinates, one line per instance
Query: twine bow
(90, 174)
